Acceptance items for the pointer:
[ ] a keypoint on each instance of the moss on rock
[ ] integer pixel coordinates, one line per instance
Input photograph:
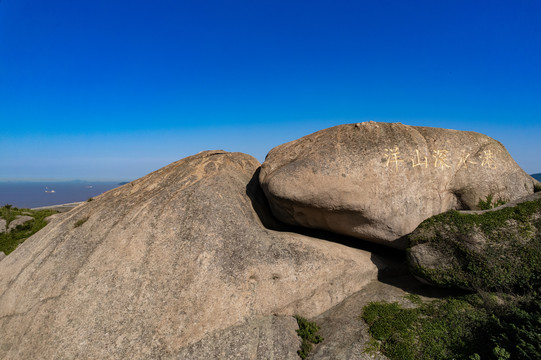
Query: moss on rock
(494, 250)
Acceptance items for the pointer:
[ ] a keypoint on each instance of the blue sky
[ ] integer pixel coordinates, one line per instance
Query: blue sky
(116, 89)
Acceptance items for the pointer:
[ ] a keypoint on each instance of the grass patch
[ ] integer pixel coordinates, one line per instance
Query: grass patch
(10, 240)
(80, 222)
(467, 327)
(308, 333)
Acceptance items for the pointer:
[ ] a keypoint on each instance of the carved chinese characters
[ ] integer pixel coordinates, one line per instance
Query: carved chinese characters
(440, 158)
(378, 181)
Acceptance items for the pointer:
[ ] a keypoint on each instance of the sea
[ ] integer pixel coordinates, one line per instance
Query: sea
(30, 194)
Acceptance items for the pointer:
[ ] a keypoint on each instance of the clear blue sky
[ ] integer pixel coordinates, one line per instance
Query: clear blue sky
(116, 89)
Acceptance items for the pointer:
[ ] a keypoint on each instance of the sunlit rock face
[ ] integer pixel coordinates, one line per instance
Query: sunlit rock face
(160, 267)
(378, 181)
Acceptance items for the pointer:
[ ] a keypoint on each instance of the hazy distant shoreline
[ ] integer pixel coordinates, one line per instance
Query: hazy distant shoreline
(47, 194)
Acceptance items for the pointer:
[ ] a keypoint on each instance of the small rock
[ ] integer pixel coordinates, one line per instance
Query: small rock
(19, 220)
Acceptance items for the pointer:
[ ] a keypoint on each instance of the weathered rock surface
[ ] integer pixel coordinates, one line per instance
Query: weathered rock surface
(378, 181)
(19, 220)
(497, 249)
(271, 337)
(155, 267)
(2, 255)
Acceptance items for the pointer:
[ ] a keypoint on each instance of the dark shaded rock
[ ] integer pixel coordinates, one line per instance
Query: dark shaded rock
(379, 181)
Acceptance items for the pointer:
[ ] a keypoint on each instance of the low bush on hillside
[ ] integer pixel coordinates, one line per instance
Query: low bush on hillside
(10, 240)
(490, 202)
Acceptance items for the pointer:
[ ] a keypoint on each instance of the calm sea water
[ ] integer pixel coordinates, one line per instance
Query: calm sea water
(36, 194)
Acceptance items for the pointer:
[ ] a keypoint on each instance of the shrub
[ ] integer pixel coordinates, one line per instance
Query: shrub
(490, 203)
(308, 334)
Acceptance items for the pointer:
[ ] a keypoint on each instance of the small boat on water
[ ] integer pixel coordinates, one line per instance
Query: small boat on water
(49, 191)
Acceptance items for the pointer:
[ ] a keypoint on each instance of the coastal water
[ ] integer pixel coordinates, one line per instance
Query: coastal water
(36, 194)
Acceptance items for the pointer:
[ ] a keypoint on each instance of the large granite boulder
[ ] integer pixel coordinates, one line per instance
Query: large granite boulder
(378, 181)
(492, 250)
(164, 266)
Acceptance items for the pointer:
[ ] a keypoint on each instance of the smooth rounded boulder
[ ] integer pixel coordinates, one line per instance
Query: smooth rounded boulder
(163, 266)
(379, 181)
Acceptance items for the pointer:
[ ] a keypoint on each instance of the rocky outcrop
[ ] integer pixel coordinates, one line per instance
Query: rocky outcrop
(3, 224)
(491, 250)
(19, 220)
(378, 181)
(2, 255)
(161, 266)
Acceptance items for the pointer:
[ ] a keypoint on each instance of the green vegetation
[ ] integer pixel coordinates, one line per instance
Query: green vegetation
(508, 260)
(490, 203)
(468, 327)
(308, 333)
(80, 222)
(90, 199)
(498, 256)
(537, 187)
(10, 240)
